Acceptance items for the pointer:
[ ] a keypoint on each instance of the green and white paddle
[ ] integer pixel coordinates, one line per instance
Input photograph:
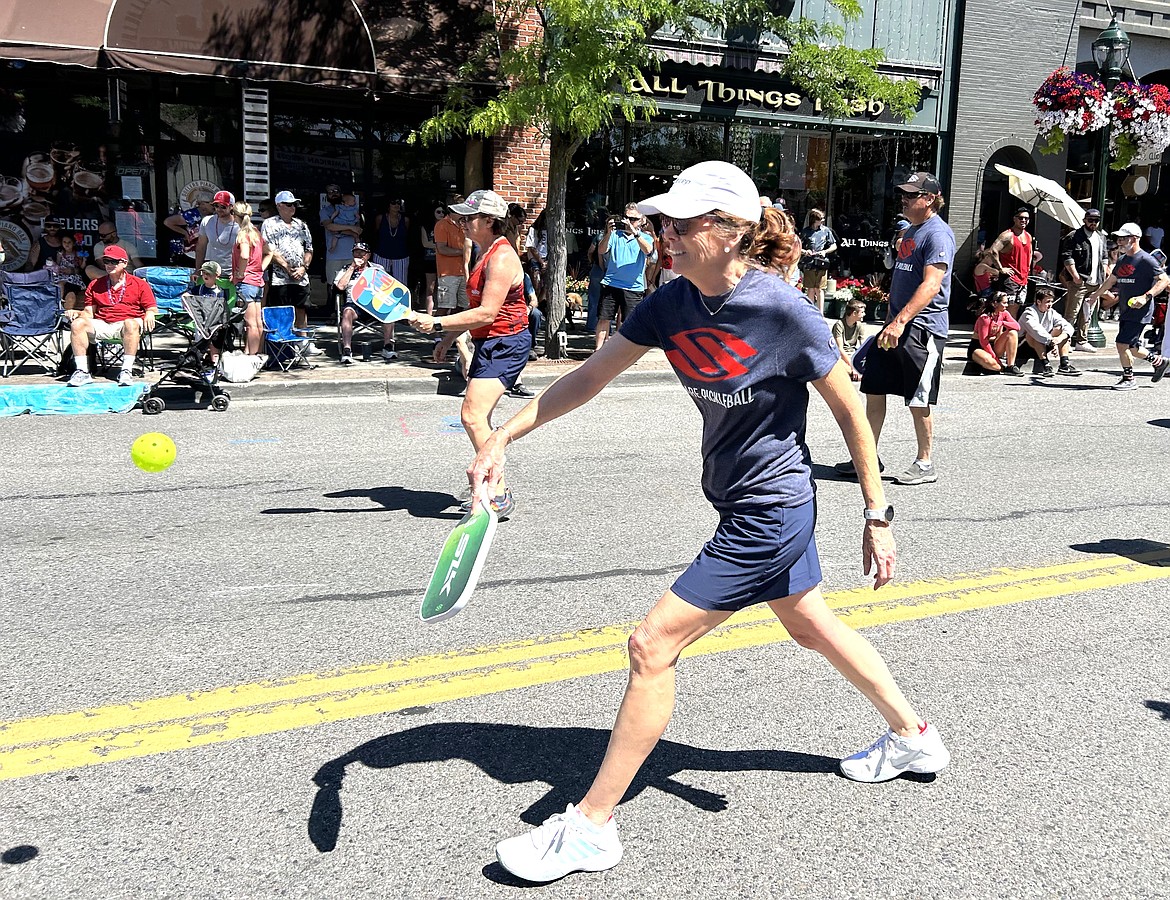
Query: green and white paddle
(459, 565)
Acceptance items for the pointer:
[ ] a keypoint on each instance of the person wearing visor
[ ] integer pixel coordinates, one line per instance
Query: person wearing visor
(1139, 278)
(497, 318)
(118, 306)
(350, 311)
(745, 345)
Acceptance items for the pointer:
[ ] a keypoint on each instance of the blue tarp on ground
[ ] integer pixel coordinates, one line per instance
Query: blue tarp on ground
(62, 400)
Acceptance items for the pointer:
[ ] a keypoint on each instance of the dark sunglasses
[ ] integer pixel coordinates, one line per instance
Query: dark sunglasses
(681, 226)
(111, 262)
(1023, 218)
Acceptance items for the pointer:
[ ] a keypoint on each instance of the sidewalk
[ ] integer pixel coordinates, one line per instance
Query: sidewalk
(413, 373)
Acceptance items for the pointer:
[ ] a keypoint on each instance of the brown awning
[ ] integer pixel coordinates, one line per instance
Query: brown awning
(410, 46)
(69, 32)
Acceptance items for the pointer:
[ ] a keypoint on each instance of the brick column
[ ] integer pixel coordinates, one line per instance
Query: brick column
(520, 155)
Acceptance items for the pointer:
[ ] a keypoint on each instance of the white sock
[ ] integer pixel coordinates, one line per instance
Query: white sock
(82, 363)
(127, 362)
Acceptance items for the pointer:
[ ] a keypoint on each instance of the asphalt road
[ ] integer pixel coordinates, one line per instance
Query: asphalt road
(215, 683)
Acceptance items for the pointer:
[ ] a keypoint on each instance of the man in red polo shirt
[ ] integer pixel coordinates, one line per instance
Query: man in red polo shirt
(117, 305)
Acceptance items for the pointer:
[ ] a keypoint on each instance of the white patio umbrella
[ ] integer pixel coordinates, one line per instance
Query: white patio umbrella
(1044, 194)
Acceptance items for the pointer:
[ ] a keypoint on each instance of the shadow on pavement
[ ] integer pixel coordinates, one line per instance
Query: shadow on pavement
(1152, 553)
(1159, 423)
(563, 758)
(420, 504)
(14, 856)
(1161, 707)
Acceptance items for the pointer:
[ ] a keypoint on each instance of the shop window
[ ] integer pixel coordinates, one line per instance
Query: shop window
(793, 165)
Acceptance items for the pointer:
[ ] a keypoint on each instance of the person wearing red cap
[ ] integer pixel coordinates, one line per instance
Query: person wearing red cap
(217, 234)
(118, 305)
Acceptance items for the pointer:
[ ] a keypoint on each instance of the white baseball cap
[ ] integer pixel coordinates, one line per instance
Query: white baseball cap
(704, 188)
(287, 197)
(1129, 229)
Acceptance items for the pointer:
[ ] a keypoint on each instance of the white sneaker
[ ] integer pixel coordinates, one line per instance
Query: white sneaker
(347, 359)
(313, 350)
(125, 378)
(1085, 348)
(567, 842)
(389, 355)
(80, 379)
(891, 755)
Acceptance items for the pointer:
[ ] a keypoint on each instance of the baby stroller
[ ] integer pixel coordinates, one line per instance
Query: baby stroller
(209, 315)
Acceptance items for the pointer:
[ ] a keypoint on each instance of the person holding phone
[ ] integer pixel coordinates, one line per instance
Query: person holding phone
(625, 248)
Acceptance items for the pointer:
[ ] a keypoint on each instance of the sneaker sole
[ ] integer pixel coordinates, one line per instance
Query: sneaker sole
(603, 862)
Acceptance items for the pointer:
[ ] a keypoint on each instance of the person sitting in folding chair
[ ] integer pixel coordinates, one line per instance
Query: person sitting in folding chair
(118, 306)
(349, 310)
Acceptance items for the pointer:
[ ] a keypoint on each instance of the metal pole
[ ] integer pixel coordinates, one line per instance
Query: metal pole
(1094, 334)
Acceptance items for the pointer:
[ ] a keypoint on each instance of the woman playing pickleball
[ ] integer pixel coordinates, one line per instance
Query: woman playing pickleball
(497, 320)
(744, 345)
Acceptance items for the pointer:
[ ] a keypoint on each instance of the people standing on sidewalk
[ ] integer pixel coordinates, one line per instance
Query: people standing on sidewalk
(497, 318)
(248, 276)
(392, 251)
(217, 235)
(907, 356)
(290, 244)
(430, 256)
(752, 396)
(1139, 279)
(452, 266)
(625, 248)
(341, 217)
(1084, 265)
(1014, 248)
(818, 243)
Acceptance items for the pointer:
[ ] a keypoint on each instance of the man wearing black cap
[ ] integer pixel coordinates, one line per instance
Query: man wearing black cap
(907, 354)
(1083, 267)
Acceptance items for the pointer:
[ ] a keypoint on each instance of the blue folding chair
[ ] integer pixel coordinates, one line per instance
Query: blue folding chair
(287, 346)
(30, 320)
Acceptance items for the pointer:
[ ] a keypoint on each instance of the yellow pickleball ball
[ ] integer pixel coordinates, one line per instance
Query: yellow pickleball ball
(153, 452)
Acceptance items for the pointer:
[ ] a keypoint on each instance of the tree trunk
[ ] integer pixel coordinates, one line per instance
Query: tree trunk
(561, 150)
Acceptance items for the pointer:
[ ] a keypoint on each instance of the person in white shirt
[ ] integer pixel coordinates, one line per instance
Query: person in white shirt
(1155, 234)
(1046, 331)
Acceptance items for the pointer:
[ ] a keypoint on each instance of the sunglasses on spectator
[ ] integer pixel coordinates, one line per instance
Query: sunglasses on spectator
(682, 226)
(107, 235)
(910, 195)
(110, 263)
(1023, 218)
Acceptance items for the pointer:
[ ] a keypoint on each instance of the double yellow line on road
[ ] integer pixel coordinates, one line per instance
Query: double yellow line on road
(54, 743)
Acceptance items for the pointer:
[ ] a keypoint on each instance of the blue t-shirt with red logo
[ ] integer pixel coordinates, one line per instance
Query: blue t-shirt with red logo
(1135, 275)
(930, 244)
(746, 364)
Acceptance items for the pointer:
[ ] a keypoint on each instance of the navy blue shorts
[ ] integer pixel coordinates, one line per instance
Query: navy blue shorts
(754, 557)
(1130, 332)
(500, 357)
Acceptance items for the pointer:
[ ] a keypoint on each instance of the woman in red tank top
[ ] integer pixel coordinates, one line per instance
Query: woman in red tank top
(497, 320)
(248, 276)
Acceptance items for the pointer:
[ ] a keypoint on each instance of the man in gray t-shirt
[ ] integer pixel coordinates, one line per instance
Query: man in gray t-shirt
(907, 354)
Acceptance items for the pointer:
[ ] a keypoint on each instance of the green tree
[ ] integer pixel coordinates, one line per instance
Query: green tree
(570, 83)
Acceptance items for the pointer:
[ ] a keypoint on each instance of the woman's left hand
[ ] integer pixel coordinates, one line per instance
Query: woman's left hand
(879, 553)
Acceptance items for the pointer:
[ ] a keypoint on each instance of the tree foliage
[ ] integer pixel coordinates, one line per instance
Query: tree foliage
(571, 82)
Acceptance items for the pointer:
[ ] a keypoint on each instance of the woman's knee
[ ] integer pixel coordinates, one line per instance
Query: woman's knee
(650, 652)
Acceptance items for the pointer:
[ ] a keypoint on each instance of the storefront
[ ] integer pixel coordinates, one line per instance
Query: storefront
(765, 126)
(130, 111)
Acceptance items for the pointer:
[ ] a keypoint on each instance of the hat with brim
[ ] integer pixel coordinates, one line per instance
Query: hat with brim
(707, 187)
(116, 253)
(1129, 229)
(485, 203)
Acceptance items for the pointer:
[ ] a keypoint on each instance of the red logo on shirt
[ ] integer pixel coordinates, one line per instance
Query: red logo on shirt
(1123, 270)
(906, 248)
(708, 354)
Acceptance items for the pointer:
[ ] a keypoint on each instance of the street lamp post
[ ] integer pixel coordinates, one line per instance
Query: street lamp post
(1110, 53)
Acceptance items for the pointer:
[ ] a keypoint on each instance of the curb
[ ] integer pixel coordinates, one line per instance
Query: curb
(431, 384)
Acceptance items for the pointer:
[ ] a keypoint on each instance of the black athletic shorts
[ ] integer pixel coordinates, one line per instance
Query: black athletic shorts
(911, 370)
(614, 298)
(289, 295)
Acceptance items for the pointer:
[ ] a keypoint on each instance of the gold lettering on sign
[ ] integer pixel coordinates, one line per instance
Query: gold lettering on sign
(640, 86)
(720, 92)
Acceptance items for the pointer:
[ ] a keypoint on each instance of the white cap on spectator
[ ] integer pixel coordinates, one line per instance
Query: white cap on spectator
(1129, 229)
(704, 188)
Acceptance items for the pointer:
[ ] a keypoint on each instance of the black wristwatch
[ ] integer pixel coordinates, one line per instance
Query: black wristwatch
(436, 327)
(885, 516)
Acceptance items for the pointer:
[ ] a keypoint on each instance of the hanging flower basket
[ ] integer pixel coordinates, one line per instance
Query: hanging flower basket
(1067, 103)
(1141, 122)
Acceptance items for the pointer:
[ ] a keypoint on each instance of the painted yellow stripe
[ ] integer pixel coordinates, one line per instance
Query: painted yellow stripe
(162, 725)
